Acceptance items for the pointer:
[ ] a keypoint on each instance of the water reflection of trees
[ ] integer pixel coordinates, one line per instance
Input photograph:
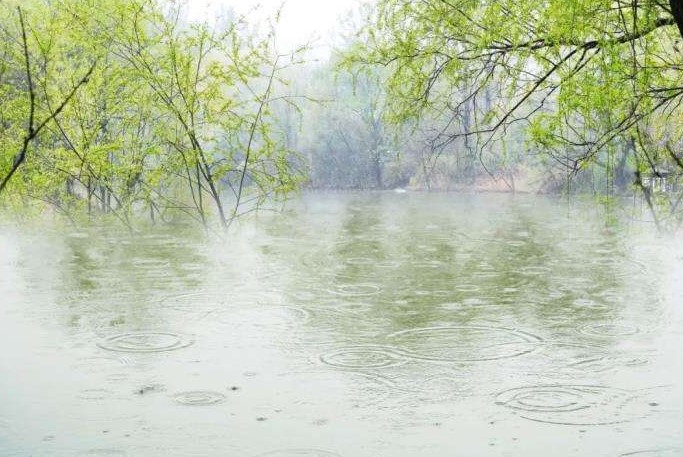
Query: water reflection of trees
(112, 279)
(462, 260)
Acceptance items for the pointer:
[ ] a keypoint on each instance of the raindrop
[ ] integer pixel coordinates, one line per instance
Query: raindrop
(608, 330)
(145, 342)
(464, 343)
(150, 388)
(350, 307)
(360, 261)
(467, 288)
(193, 301)
(199, 398)
(570, 404)
(356, 290)
(534, 271)
(359, 357)
(599, 364)
(150, 264)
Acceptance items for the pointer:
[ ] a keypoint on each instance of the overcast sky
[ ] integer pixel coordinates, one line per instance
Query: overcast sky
(301, 20)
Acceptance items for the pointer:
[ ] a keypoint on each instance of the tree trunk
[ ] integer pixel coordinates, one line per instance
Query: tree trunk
(677, 11)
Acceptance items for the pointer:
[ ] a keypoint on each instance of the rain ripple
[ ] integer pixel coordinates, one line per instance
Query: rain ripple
(145, 342)
(609, 330)
(363, 357)
(356, 290)
(199, 398)
(580, 359)
(464, 343)
(572, 404)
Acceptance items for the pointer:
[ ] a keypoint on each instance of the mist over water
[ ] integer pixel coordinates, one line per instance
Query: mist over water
(353, 325)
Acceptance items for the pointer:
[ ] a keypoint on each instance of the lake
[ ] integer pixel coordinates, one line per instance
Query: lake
(350, 325)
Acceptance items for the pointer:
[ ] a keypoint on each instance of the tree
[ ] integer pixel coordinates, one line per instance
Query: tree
(350, 144)
(175, 118)
(34, 126)
(585, 78)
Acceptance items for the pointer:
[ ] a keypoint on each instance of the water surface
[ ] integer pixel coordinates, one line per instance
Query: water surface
(353, 325)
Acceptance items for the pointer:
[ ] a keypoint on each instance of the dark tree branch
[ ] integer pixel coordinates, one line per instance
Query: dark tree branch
(590, 44)
(33, 131)
(677, 13)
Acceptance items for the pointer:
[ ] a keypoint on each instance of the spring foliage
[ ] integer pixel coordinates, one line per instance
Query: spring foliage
(160, 116)
(589, 81)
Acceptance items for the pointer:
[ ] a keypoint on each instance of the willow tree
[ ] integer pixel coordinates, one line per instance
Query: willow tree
(175, 116)
(587, 80)
(96, 151)
(213, 87)
(32, 101)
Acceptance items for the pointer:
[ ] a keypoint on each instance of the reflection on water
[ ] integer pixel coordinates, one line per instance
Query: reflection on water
(355, 325)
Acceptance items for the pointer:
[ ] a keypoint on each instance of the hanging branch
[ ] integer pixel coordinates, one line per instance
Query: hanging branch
(263, 102)
(33, 130)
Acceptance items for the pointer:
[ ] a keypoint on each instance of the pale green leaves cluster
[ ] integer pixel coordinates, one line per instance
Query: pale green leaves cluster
(582, 73)
(174, 120)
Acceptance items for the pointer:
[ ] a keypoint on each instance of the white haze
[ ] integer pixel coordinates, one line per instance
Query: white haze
(313, 22)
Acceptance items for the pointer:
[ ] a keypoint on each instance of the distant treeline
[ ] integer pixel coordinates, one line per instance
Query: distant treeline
(123, 108)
